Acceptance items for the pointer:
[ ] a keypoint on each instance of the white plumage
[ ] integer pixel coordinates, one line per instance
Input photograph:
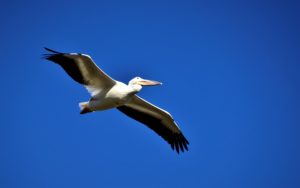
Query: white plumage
(107, 93)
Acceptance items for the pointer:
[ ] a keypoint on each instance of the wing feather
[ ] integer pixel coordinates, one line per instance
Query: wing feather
(156, 119)
(82, 69)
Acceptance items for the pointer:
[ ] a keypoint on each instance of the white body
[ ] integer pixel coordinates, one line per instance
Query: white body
(108, 93)
(115, 96)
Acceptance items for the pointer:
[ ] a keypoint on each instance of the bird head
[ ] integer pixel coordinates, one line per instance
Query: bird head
(143, 82)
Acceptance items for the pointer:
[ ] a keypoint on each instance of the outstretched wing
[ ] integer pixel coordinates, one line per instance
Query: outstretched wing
(82, 69)
(156, 119)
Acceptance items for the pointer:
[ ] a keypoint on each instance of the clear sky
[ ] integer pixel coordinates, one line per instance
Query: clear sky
(231, 80)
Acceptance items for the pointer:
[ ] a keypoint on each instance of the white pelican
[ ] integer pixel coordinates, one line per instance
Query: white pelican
(108, 93)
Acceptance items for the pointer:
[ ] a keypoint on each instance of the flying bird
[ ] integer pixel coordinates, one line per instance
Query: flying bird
(107, 93)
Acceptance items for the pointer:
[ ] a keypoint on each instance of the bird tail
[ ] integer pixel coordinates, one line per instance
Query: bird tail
(84, 108)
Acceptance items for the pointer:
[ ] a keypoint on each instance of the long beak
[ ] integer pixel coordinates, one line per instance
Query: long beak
(149, 83)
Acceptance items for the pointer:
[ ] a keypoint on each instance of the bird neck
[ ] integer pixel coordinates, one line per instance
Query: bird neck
(135, 88)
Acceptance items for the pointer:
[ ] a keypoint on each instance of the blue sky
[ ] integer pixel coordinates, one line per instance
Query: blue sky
(231, 80)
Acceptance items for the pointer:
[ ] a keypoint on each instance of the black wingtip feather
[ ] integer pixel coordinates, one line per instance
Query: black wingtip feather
(172, 145)
(181, 146)
(176, 140)
(69, 64)
(48, 56)
(177, 146)
(180, 143)
(185, 146)
(53, 51)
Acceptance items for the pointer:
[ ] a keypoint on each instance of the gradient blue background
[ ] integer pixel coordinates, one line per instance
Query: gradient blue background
(231, 80)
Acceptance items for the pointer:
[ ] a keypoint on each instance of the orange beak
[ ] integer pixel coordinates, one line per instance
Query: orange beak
(144, 82)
